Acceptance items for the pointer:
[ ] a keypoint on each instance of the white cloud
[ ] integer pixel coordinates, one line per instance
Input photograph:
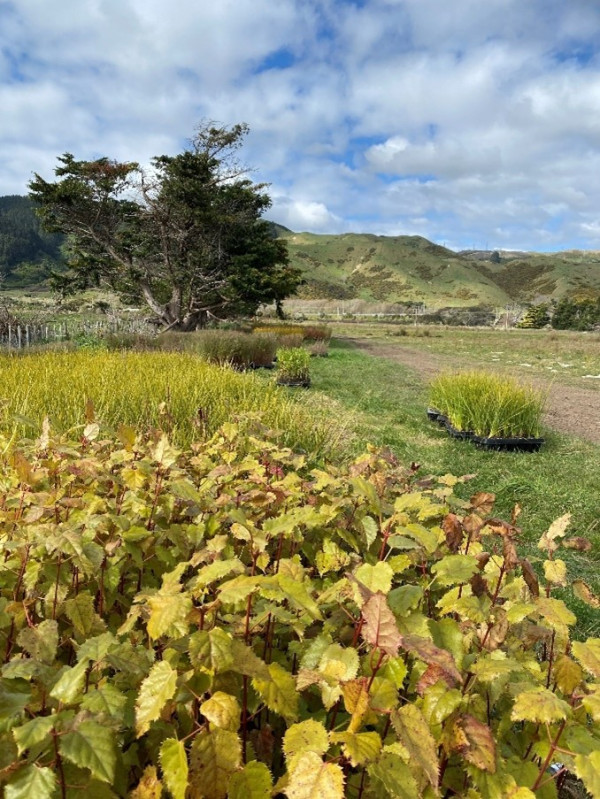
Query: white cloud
(467, 121)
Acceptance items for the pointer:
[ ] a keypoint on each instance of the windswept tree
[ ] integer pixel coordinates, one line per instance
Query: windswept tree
(186, 235)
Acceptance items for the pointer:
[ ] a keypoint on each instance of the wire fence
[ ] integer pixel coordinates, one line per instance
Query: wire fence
(20, 336)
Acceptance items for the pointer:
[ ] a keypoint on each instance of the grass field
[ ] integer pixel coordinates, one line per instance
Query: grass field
(389, 402)
(560, 354)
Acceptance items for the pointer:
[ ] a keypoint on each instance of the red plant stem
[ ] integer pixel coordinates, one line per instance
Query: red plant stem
(54, 604)
(376, 669)
(549, 756)
(550, 659)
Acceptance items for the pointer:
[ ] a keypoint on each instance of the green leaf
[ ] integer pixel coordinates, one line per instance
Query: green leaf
(174, 765)
(395, 776)
(297, 594)
(555, 612)
(539, 705)
(455, 569)
(253, 782)
(91, 746)
(567, 673)
(215, 755)
(81, 613)
(96, 648)
(155, 691)
(587, 768)
(216, 571)
(41, 641)
(307, 736)
(413, 732)
(588, 654)
(310, 778)
(375, 578)
(592, 704)
(211, 651)
(246, 662)
(12, 700)
(33, 732)
(279, 692)
(32, 782)
(69, 686)
(106, 700)
(222, 710)
(339, 663)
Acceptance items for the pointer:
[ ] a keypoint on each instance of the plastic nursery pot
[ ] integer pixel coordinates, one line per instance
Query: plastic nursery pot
(509, 444)
(291, 382)
(433, 415)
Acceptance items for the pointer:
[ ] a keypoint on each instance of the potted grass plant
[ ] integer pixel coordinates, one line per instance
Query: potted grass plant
(494, 411)
(293, 367)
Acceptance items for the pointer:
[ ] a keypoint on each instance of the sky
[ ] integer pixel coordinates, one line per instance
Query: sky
(474, 123)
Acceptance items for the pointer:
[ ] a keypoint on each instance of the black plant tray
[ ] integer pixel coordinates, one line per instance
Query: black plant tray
(282, 381)
(433, 415)
(509, 444)
(462, 435)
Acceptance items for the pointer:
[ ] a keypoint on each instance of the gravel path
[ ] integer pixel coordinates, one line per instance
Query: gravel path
(571, 410)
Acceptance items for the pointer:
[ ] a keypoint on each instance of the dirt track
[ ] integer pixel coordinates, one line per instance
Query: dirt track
(571, 410)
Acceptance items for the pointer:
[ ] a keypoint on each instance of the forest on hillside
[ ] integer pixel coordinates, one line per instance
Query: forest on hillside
(27, 252)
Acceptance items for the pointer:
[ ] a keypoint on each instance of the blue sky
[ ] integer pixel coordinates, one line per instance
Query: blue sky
(474, 124)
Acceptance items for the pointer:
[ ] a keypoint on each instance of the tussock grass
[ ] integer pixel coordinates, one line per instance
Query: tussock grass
(488, 404)
(177, 392)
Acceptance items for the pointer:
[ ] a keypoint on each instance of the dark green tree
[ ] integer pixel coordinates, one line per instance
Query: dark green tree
(186, 236)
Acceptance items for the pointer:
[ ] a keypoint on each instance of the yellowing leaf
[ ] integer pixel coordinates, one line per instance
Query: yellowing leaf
(539, 705)
(211, 651)
(32, 782)
(69, 686)
(307, 736)
(81, 613)
(557, 529)
(91, 746)
(413, 732)
(339, 663)
(588, 654)
(215, 755)
(155, 691)
(313, 779)
(490, 667)
(253, 782)
(555, 572)
(279, 692)
(587, 768)
(169, 610)
(40, 641)
(555, 612)
(174, 765)
(567, 673)
(592, 704)
(222, 710)
(149, 787)
(360, 748)
(394, 775)
(298, 596)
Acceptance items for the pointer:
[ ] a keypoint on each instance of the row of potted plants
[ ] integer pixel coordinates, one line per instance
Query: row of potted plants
(493, 411)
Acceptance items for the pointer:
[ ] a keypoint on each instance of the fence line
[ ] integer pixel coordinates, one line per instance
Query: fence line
(21, 336)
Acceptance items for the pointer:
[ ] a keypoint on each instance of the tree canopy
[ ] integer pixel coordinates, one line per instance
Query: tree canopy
(185, 235)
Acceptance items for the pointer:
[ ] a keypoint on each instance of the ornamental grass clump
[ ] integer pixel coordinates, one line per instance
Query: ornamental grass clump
(293, 366)
(228, 622)
(489, 405)
(173, 391)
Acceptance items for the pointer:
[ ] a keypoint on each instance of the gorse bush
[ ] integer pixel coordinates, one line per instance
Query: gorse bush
(488, 404)
(177, 392)
(229, 622)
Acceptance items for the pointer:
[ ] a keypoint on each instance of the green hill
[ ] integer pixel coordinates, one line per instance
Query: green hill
(412, 269)
(26, 251)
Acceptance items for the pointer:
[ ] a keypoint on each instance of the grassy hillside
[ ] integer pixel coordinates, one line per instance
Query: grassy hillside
(412, 269)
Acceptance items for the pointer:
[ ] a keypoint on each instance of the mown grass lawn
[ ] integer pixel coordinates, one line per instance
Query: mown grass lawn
(388, 402)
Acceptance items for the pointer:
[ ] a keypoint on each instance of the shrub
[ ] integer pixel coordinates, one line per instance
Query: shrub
(488, 405)
(293, 364)
(229, 622)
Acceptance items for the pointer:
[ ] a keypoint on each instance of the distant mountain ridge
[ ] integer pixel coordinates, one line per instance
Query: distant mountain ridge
(389, 269)
(411, 269)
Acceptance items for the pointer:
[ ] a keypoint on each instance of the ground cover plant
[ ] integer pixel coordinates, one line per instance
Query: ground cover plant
(306, 332)
(231, 621)
(177, 392)
(387, 401)
(235, 348)
(488, 404)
